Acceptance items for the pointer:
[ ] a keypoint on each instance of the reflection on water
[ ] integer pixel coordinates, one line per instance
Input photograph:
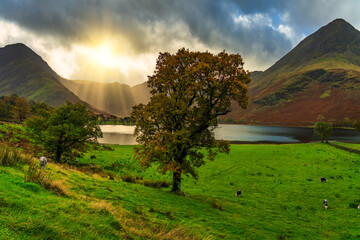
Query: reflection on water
(123, 135)
(118, 134)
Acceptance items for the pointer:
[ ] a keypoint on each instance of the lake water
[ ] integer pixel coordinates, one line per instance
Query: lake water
(123, 135)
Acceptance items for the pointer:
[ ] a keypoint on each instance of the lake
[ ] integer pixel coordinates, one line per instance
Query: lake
(123, 135)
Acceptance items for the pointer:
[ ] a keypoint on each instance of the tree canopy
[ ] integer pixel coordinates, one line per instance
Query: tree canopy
(68, 127)
(189, 91)
(14, 108)
(323, 130)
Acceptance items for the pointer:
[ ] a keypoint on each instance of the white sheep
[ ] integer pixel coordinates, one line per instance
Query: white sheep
(42, 162)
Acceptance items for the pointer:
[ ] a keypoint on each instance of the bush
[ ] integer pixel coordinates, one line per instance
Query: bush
(354, 204)
(156, 184)
(128, 178)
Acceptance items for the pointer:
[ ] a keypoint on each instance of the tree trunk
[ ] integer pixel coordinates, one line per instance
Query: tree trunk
(176, 188)
(58, 154)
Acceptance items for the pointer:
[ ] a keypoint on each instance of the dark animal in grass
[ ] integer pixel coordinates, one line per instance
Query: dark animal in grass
(42, 162)
(322, 179)
(325, 203)
(238, 193)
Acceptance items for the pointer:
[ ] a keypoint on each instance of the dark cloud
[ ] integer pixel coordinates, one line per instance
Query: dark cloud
(158, 25)
(208, 22)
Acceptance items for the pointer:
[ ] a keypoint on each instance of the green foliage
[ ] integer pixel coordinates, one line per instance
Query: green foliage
(38, 108)
(5, 110)
(189, 91)
(14, 107)
(323, 130)
(21, 108)
(69, 127)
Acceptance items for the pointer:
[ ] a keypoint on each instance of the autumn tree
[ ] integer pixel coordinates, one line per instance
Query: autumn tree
(21, 108)
(189, 91)
(68, 127)
(323, 130)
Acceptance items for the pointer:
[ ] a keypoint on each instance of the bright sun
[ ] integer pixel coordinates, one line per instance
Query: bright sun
(103, 55)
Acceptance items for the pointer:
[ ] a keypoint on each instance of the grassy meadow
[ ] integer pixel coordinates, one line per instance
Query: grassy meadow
(108, 196)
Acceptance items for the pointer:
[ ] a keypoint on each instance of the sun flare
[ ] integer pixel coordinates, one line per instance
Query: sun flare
(103, 56)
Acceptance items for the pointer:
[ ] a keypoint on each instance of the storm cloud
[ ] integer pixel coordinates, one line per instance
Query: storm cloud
(261, 31)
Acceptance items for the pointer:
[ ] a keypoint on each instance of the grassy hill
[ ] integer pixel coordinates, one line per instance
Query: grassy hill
(26, 74)
(106, 195)
(318, 79)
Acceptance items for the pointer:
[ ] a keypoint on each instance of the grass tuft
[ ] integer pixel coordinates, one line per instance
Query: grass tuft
(12, 157)
(218, 205)
(40, 176)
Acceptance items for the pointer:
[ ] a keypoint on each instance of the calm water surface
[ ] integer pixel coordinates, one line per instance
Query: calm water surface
(123, 135)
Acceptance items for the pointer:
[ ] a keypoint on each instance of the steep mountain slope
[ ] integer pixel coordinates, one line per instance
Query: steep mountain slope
(318, 80)
(114, 98)
(26, 74)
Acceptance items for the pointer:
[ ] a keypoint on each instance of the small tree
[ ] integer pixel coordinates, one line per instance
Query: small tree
(323, 130)
(356, 125)
(5, 110)
(189, 91)
(21, 108)
(69, 127)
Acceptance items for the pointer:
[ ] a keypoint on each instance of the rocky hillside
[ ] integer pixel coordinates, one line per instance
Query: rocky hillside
(318, 80)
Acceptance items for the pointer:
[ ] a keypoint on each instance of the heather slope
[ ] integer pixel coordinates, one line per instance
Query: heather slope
(319, 79)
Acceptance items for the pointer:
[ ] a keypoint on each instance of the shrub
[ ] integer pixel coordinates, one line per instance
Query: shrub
(354, 204)
(128, 178)
(112, 176)
(156, 184)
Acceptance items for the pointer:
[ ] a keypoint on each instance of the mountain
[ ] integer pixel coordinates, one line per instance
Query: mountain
(114, 98)
(317, 80)
(26, 74)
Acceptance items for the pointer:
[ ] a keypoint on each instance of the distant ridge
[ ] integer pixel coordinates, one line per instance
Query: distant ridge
(115, 98)
(317, 80)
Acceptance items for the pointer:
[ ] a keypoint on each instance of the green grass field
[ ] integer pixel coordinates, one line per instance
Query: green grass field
(281, 198)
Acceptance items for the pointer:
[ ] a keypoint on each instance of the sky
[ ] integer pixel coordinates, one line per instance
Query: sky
(119, 40)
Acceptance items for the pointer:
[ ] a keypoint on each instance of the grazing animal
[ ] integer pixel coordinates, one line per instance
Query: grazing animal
(42, 162)
(322, 179)
(325, 204)
(238, 193)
